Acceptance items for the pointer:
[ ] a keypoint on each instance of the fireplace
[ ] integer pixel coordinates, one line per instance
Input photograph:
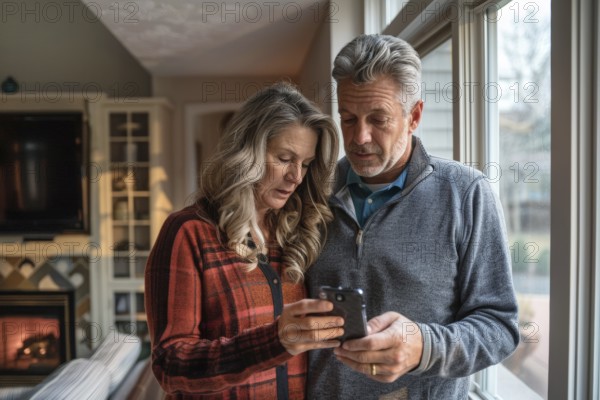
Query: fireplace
(37, 334)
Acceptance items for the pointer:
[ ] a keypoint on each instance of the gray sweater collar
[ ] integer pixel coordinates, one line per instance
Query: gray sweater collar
(419, 166)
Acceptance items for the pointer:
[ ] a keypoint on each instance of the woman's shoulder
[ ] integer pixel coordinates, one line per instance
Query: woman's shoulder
(189, 213)
(197, 216)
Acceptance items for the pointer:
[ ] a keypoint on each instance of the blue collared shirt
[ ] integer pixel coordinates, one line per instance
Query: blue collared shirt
(366, 202)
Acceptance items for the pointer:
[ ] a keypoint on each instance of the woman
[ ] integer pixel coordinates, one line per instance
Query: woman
(221, 270)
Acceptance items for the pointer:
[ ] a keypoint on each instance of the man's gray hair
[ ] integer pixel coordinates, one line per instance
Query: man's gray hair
(369, 57)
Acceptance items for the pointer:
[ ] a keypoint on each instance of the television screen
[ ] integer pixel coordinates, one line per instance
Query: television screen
(42, 173)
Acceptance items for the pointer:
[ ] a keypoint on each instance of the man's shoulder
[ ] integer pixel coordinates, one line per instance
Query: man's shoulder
(341, 172)
(343, 164)
(455, 171)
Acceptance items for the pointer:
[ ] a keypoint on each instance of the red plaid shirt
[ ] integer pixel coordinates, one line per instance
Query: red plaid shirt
(211, 323)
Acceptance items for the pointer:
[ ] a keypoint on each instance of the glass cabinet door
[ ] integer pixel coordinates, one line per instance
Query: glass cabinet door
(129, 158)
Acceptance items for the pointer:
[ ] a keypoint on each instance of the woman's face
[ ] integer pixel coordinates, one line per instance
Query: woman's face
(288, 156)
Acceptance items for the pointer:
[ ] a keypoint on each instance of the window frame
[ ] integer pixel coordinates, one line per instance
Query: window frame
(573, 372)
(574, 359)
(374, 15)
(595, 362)
(595, 350)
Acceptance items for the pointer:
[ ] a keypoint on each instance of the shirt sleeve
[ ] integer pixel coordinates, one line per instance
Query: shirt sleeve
(182, 360)
(486, 328)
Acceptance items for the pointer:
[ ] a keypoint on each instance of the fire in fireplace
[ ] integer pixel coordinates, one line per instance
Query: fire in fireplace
(37, 334)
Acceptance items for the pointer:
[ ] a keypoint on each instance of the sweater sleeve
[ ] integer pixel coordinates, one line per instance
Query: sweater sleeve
(183, 360)
(485, 330)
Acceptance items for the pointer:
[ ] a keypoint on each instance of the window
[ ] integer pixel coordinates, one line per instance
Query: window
(392, 8)
(436, 91)
(379, 13)
(520, 95)
(503, 120)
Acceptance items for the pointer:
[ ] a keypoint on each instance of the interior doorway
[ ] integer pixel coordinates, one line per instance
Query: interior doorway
(204, 123)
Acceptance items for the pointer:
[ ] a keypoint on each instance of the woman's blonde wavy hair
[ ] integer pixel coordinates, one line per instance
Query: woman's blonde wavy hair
(229, 179)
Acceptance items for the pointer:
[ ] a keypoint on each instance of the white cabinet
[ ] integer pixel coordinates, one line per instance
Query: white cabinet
(130, 149)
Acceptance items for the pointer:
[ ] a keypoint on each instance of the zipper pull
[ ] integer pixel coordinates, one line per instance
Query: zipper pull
(359, 237)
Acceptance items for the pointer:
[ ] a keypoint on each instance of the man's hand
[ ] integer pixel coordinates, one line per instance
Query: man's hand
(300, 331)
(393, 347)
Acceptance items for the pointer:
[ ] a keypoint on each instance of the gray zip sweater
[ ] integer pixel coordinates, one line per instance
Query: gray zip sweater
(437, 253)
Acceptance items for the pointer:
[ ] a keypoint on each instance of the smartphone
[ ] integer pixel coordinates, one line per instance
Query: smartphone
(349, 304)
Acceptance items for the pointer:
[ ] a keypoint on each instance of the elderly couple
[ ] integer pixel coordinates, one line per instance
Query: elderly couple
(229, 314)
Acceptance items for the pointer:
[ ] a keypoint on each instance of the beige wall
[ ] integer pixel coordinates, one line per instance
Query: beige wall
(347, 24)
(204, 95)
(341, 24)
(63, 47)
(315, 77)
(209, 127)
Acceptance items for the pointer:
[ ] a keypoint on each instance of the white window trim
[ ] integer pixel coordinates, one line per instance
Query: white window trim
(469, 66)
(374, 14)
(419, 28)
(573, 370)
(595, 350)
(595, 332)
(476, 141)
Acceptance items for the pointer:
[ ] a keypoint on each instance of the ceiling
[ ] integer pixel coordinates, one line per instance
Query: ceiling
(220, 38)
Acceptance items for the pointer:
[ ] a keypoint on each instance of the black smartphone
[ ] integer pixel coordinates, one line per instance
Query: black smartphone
(349, 304)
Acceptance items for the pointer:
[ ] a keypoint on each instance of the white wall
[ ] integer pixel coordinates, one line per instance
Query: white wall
(61, 46)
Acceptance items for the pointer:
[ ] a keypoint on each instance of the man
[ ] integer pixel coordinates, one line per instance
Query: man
(422, 236)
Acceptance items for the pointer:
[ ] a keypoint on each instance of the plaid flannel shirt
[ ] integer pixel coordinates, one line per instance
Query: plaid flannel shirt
(212, 324)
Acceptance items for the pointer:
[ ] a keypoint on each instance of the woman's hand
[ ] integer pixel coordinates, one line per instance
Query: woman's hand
(300, 330)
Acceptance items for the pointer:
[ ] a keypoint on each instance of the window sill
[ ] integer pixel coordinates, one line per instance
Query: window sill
(513, 388)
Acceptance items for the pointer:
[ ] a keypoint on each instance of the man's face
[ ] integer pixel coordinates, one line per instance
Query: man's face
(377, 135)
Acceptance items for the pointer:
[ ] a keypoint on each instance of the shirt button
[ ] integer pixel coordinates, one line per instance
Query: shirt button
(370, 201)
(275, 281)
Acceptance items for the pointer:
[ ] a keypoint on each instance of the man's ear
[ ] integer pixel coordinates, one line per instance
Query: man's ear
(415, 116)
